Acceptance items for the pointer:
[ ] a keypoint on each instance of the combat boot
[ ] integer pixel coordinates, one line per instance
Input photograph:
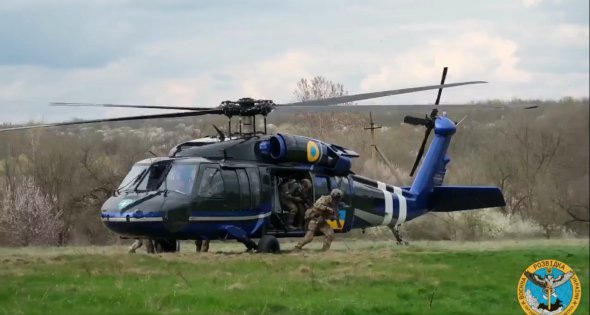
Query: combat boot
(290, 221)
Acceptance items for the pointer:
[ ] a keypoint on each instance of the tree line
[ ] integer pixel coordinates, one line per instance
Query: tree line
(53, 181)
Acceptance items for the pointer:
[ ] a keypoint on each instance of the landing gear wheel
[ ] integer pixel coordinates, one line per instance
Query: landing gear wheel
(167, 245)
(269, 244)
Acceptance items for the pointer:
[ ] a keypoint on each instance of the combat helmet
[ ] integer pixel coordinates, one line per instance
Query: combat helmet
(306, 183)
(336, 193)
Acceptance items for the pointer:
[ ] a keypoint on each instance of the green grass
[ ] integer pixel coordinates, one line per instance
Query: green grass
(357, 277)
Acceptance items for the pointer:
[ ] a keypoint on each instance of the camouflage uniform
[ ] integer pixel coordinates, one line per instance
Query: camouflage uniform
(137, 244)
(289, 197)
(149, 247)
(306, 195)
(317, 216)
(202, 245)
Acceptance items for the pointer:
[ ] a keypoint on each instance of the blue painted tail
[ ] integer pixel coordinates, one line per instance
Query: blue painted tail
(428, 189)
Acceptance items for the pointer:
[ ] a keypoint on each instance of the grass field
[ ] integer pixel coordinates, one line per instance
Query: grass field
(357, 277)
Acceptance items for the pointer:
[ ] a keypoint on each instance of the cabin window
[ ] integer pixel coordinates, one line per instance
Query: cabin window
(244, 189)
(340, 183)
(344, 185)
(232, 190)
(321, 186)
(211, 183)
(254, 186)
(267, 187)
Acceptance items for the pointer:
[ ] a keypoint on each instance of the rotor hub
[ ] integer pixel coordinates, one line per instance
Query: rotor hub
(247, 107)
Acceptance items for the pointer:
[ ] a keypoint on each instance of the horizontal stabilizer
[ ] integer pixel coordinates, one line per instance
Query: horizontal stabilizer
(456, 198)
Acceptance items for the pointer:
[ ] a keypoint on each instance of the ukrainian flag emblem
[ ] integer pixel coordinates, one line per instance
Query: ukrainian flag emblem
(313, 152)
(342, 217)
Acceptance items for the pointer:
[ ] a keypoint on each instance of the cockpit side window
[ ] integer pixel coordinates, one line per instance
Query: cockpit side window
(181, 178)
(211, 183)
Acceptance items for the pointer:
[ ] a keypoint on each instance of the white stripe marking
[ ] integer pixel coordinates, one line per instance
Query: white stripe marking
(133, 219)
(388, 207)
(195, 218)
(403, 205)
(388, 197)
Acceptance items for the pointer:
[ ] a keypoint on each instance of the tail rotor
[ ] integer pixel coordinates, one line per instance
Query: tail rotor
(427, 121)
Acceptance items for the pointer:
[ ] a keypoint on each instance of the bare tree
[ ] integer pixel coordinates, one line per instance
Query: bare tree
(318, 88)
(28, 217)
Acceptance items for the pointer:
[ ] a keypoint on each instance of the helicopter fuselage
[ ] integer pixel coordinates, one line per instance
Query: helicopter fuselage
(230, 189)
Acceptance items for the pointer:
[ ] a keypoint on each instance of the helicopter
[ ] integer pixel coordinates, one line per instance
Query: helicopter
(227, 186)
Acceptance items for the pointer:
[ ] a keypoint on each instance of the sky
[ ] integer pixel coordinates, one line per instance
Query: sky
(199, 53)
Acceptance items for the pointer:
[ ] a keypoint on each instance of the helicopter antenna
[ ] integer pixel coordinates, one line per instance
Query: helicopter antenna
(372, 127)
(219, 133)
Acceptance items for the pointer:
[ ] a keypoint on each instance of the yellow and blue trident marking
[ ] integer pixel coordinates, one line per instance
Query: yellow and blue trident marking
(342, 217)
(313, 152)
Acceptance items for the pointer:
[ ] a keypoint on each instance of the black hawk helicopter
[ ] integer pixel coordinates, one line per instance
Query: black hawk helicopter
(227, 187)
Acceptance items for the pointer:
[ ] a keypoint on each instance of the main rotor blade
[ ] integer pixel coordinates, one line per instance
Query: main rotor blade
(127, 106)
(128, 118)
(366, 96)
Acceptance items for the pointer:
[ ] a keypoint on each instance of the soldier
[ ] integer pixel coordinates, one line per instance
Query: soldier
(149, 247)
(289, 197)
(202, 245)
(306, 195)
(137, 244)
(325, 208)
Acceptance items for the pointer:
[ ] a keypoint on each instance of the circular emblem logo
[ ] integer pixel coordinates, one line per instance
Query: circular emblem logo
(124, 203)
(313, 152)
(549, 287)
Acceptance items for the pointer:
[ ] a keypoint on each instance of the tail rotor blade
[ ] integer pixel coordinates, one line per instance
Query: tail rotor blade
(421, 151)
(442, 82)
(415, 121)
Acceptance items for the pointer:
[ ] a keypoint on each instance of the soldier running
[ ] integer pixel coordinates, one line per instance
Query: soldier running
(325, 208)
(150, 247)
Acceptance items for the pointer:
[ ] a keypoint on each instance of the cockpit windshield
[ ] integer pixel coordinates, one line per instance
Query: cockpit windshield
(133, 177)
(169, 176)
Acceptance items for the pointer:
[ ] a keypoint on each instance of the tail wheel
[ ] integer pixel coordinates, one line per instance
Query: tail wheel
(269, 244)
